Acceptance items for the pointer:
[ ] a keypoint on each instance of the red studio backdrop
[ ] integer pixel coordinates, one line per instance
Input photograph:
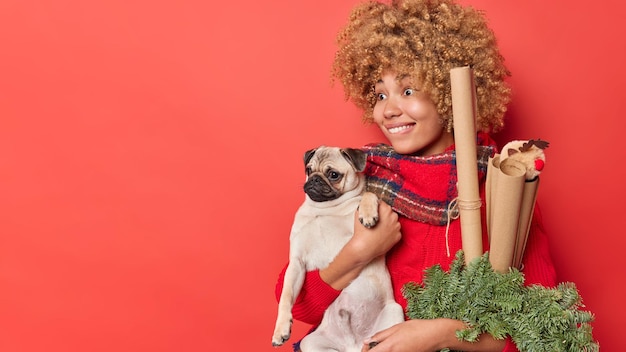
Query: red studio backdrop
(151, 160)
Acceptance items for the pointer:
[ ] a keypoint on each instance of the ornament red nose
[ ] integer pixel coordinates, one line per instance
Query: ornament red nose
(539, 164)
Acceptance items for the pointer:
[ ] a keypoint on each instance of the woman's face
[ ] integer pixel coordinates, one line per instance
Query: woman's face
(408, 117)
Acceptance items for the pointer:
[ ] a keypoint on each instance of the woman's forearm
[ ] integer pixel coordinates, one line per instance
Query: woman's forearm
(346, 266)
(365, 245)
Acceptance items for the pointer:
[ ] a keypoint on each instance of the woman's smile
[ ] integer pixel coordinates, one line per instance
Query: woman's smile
(397, 129)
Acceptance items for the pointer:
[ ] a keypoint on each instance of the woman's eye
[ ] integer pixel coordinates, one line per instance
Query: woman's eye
(380, 96)
(408, 91)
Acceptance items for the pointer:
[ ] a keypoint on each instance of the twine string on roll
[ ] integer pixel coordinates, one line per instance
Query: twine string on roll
(453, 213)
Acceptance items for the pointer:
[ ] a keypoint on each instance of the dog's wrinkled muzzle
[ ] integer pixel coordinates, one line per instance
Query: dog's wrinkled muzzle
(319, 190)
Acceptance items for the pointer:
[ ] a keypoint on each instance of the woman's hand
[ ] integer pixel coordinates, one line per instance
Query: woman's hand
(370, 243)
(412, 335)
(365, 245)
(430, 335)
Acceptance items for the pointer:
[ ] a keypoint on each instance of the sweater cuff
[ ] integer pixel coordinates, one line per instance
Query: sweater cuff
(318, 290)
(510, 346)
(315, 297)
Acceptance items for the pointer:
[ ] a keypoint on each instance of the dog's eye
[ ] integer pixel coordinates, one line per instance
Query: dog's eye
(334, 175)
(307, 171)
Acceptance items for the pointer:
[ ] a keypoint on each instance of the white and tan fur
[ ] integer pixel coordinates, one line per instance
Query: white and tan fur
(321, 228)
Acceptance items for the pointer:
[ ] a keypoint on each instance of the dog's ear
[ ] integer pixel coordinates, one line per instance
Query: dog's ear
(356, 157)
(308, 155)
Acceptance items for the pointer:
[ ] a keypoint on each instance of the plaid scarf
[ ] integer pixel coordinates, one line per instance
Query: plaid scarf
(420, 188)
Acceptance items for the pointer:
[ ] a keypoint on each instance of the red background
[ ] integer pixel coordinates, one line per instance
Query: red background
(151, 160)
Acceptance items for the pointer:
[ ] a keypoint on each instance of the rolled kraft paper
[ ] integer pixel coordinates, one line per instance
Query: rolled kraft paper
(463, 110)
(505, 214)
(529, 197)
(493, 170)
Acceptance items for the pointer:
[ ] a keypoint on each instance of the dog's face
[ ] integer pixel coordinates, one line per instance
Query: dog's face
(332, 172)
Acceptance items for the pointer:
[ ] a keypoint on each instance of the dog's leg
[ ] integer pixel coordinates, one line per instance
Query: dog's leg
(315, 342)
(391, 314)
(294, 278)
(335, 333)
(368, 209)
(324, 345)
(320, 341)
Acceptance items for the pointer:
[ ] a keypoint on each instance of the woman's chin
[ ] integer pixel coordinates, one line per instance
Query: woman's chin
(404, 148)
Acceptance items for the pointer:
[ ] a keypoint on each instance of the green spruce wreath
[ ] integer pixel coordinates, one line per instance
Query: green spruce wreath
(535, 317)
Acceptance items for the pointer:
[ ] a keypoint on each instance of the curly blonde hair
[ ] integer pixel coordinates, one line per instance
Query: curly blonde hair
(423, 39)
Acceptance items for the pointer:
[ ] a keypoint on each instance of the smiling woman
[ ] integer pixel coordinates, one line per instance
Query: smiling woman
(151, 160)
(408, 117)
(397, 49)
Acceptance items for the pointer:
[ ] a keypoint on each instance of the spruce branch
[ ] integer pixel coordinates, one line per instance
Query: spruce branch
(537, 318)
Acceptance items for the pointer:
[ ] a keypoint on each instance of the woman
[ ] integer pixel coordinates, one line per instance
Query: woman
(394, 62)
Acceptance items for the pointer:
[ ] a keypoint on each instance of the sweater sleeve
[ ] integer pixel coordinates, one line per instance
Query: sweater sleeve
(315, 296)
(510, 346)
(537, 263)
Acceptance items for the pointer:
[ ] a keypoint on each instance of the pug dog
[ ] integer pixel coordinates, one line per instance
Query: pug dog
(323, 224)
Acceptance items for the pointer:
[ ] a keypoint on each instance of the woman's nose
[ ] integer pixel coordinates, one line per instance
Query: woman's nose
(392, 109)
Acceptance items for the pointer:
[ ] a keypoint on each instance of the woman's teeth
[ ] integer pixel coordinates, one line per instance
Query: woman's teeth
(398, 129)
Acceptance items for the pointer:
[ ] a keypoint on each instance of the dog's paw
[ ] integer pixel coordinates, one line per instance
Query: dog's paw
(368, 210)
(282, 333)
(368, 222)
